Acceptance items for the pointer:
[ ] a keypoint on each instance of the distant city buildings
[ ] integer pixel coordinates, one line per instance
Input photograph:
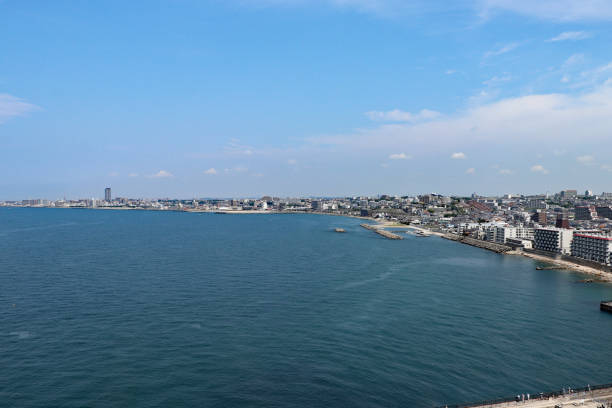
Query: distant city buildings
(518, 221)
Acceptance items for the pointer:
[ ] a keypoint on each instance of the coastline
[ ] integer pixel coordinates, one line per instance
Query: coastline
(567, 266)
(563, 265)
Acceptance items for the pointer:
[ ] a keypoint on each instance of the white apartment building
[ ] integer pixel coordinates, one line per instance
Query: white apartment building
(557, 240)
(592, 247)
(502, 234)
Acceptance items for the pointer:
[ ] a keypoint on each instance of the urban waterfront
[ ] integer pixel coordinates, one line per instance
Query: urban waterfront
(130, 308)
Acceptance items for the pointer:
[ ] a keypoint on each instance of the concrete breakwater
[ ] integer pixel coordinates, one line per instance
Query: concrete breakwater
(381, 231)
(500, 249)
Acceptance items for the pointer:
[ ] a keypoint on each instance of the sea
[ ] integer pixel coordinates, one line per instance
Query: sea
(102, 308)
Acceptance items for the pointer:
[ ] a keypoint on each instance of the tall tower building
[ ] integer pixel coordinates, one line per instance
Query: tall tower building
(107, 194)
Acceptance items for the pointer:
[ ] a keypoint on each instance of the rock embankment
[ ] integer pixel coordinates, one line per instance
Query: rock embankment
(491, 246)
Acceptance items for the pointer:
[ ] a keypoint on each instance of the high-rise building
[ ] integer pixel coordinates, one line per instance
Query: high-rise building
(107, 194)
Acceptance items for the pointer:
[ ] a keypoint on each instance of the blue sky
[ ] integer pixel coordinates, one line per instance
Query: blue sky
(211, 98)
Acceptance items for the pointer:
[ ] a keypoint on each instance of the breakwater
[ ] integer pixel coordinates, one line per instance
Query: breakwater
(491, 246)
(589, 396)
(381, 231)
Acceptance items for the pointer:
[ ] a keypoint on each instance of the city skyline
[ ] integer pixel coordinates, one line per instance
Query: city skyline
(298, 98)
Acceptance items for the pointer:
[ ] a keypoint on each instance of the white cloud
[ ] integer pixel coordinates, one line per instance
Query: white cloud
(571, 36)
(11, 106)
(450, 71)
(471, 170)
(557, 10)
(237, 169)
(497, 79)
(458, 156)
(397, 115)
(162, 174)
(506, 172)
(211, 171)
(539, 118)
(399, 156)
(502, 50)
(586, 159)
(538, 168)
(133, 175)
(292, 162)
(234, 147)
(114, 174)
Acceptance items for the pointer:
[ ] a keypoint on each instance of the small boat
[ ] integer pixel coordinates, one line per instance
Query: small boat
(339, 230)
(423, 234)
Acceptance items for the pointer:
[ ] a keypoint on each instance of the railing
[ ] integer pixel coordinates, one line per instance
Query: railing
(541, 396)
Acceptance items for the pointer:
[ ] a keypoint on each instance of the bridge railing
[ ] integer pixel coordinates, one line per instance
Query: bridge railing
(540, 396)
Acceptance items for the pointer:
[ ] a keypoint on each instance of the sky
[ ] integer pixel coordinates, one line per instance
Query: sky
(244, 98)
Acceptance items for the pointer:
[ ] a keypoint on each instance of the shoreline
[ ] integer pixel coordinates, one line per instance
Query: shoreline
(564, 265)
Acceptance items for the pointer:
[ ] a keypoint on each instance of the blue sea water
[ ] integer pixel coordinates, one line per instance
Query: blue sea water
(163, 309)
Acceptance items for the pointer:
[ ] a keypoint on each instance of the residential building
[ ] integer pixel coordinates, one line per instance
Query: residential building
(557, 240)
(585, 212)
(107, 194)
(592, 247)
(604, 212)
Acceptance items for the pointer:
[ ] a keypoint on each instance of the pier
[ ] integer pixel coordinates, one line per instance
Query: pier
(606, 306)
(491, 246)
(381, 231)
(595, 396)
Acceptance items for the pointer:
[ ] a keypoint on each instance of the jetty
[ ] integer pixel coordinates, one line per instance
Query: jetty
(381, 231)
(606, 306)
(491, 246)
(591, 396)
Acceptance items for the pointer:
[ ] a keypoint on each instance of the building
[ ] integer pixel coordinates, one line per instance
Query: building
(539, 217)
(556, 240)
(592, 247)
(501, 235)
(317, 205)
(536, 204)
(585, 212)
(604, 212)
(562, 221)
(569, 193)
(107, 194)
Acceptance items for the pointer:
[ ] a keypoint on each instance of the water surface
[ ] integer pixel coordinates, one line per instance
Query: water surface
(140, 309)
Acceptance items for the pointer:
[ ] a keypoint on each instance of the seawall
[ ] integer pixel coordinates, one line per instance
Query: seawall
(491, 246)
